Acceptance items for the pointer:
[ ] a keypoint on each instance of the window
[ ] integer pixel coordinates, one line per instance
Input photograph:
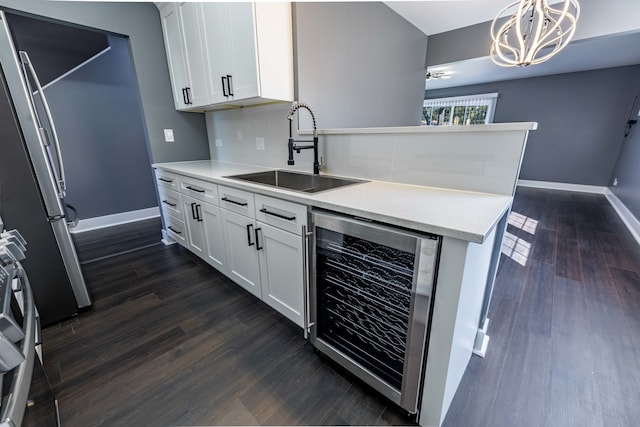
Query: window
(459, 110)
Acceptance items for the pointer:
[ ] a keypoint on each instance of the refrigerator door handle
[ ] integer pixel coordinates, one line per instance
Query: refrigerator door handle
(57, 165)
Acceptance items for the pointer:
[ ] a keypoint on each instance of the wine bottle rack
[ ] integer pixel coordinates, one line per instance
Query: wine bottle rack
(364, 295)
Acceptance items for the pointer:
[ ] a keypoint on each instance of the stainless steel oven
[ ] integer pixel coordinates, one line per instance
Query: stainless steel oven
(371, 295)
(27, 399)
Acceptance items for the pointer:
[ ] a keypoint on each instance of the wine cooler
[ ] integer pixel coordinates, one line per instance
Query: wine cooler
(371, 295)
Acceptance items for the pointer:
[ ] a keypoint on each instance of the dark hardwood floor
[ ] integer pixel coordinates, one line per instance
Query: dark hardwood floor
(565, 326)
(98, 244)
(169, 341)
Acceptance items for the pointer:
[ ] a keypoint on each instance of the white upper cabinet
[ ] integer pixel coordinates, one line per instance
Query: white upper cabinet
(171, 28)
(242, 53)
(185, 54)
(195, 63)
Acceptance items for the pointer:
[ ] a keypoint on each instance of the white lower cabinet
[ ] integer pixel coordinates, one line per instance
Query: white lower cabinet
(213, 236)
(193, 220)
(257, 241)
(175, 229)
(204, 231)
(240, 247)
(267, 260)
(282, 271)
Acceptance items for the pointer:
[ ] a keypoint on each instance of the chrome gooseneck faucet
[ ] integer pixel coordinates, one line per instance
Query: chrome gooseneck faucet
(292, 142)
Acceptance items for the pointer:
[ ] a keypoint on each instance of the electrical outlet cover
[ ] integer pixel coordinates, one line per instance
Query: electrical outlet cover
(259, 143)
(218, 143)
(168, 135)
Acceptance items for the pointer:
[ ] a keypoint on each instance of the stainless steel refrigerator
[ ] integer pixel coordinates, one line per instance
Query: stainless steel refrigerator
(32, 187)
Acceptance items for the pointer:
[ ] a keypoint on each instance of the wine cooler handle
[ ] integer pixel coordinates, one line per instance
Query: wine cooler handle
(305, 282)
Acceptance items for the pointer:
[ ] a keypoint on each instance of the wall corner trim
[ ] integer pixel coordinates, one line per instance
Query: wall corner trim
(632, 223)
(115, 219)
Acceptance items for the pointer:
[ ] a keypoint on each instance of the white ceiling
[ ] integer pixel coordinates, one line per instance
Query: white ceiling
(601, 45)
(438, 16)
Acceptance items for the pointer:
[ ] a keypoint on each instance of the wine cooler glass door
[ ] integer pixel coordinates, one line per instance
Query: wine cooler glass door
(371, 299)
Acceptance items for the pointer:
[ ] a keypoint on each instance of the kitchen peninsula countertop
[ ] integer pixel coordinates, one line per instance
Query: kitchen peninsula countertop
(464, 215)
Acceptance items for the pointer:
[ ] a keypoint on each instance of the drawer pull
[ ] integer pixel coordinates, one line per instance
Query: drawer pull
(174, 230)
(197, 190)
(234, 202)
(165, 179)
(173, 205)
(288, 218)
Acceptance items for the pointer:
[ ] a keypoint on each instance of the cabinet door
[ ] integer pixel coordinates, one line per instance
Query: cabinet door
(213, 236)
(240, 248)
(281, 271)
(194, 53)
(194, 225)
(214, 16)
(173, 43)
(242, 49)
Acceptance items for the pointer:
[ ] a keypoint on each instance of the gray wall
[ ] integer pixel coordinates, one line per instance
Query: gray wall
(359, 65)
(473, 41)
(581, 118)
(627, 169)
(102, 138)
(141, 22)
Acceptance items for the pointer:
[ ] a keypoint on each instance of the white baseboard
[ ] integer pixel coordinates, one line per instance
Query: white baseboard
(482, 340)
(168, 241)
(115, 219)
(632, 223)
(562, 186)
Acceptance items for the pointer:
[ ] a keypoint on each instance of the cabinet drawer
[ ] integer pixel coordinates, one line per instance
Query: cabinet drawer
(170, 202)
(198, 189)
(166, 179)
(282, 214)
(237, 201)
(175, 229)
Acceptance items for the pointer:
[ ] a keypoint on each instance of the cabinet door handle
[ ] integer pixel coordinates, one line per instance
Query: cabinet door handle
(234, 202)
(165, 179)
(224, 86)
(229, 85)
(258, 247)
(277, 215)
(173, 205)
(193, 211)
(249, 242)
(184, 95)
(199, 213)
(174, 230)
(188, 90)
(197, 190)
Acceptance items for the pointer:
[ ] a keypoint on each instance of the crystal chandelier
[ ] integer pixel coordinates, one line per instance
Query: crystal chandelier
(534, 33)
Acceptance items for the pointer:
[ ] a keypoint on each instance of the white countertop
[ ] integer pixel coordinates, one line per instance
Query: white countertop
(463, 215)
(490, 127)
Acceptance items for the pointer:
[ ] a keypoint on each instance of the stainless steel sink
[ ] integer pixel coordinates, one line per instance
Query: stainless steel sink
(297, 181)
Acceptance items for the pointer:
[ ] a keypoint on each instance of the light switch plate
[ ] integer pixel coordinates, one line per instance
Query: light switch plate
(168, 135)
(260, 143)
(218, 143)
